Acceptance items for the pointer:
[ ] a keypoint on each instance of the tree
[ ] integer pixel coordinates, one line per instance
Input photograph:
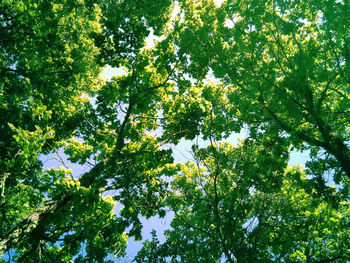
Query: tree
(287, 66)
(284, 76)
(282, 70)
(46, 65)
(239, 204)
(51, 55)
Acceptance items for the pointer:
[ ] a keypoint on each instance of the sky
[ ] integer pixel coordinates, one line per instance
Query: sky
(181, 153)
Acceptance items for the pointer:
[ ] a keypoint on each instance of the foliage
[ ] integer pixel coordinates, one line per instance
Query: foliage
(51, 57)
(231, 208)
(287, 65)
(278, 69)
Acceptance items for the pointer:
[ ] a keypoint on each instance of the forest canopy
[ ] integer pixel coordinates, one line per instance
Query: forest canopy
(278, 70)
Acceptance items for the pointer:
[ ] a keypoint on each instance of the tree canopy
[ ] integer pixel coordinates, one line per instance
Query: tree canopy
(277, 69)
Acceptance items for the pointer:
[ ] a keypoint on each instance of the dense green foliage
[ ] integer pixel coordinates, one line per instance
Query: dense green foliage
(236, 204)
(278, 69)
